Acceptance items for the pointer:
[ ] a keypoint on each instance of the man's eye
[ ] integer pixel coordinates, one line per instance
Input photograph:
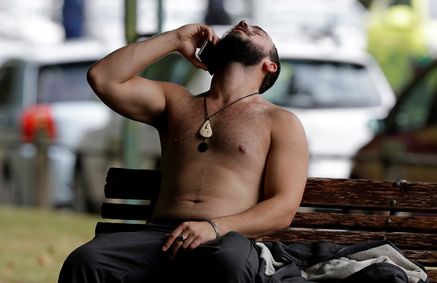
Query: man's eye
(257, 32)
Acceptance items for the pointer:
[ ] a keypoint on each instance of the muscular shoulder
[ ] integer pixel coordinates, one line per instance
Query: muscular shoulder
(175, 92)
(177, 97)
(169, 95)
(286, 127)
(282, 119)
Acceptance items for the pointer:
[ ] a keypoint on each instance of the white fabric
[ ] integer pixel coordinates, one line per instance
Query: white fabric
(340, 268)
(343, 267)
(271, 264)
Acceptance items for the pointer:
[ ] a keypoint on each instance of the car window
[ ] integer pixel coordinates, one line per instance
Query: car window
(321, 84)
(414, 109)
(64, 82)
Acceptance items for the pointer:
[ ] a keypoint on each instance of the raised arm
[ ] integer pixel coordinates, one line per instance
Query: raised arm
(115, 79)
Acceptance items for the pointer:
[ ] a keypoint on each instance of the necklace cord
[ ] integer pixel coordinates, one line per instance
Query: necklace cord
(205, 130)
(207, 117)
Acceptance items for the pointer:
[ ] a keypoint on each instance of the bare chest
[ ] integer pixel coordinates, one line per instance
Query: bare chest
(242, 129)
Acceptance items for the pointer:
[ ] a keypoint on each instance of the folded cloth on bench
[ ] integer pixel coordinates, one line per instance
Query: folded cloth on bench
(378, 261)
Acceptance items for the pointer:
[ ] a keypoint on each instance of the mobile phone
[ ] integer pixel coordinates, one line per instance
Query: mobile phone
(207, 56)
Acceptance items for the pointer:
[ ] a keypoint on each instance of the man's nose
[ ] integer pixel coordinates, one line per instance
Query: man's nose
(243, 23)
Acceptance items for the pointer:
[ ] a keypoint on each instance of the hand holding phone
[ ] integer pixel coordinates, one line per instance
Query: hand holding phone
(207, 56)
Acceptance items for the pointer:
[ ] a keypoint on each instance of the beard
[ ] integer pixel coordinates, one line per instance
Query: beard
(232, 48)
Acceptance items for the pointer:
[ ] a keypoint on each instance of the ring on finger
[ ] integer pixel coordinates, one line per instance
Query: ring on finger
(181, 238)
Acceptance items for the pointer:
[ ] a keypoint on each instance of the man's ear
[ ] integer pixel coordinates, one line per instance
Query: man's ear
(270, 66)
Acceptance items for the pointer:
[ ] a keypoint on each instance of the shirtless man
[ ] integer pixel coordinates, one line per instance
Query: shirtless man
(233, 165)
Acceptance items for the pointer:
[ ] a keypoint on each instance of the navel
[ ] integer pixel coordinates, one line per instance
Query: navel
(241, 148)
(175, 139)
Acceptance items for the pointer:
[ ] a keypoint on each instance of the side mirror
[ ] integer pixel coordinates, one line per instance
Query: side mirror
(377, 126)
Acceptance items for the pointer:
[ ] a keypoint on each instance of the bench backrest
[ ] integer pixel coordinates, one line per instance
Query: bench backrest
(343, 211)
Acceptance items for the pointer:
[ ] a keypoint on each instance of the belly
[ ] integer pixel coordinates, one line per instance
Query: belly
(205, 192)
(179, 209)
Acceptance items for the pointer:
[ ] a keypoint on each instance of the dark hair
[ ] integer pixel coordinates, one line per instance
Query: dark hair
(271, 78)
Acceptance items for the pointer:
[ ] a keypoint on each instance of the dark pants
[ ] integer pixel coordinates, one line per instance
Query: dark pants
(137, 257)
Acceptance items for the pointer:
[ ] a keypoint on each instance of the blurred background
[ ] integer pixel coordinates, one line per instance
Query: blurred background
(361, 76)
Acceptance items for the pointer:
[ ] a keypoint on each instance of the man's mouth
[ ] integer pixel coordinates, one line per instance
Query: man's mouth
(240, 29)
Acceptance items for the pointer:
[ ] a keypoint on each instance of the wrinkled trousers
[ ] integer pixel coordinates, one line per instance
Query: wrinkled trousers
(138, 257)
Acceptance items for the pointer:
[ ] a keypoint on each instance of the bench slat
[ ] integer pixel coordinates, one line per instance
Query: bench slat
(421, 241)
(426, 258)
(401, 240)
(432, 275)
(310, 235)
(126, 212)
(116, 175)
(319, 192)
(368, 222)
(124, 183)
(381, 195)
(112, 227)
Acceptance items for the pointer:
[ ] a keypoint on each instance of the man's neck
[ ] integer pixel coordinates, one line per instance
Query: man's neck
(234, 82)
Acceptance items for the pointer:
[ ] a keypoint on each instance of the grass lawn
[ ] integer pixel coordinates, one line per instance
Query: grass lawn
(34, 243)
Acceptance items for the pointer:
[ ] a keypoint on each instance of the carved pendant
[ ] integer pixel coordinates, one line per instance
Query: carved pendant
(206, 131)
(202, 147)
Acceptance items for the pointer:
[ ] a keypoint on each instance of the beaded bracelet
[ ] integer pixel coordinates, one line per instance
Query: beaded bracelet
(215, 227)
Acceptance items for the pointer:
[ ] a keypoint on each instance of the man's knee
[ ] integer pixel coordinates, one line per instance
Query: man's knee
(233, 248)
(233, 258)
(79, 264)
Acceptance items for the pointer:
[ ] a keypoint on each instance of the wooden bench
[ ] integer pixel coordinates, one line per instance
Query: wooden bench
(343, 211)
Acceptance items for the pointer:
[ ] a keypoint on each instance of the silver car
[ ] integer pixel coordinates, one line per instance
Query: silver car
(46, 109)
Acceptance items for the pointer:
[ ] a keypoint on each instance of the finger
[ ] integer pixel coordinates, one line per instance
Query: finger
(168, 243)
(209, 33)
(188, 242)
(197, 63)
(195, 243)
(172, 237)
(175, 248)
(215, 39)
